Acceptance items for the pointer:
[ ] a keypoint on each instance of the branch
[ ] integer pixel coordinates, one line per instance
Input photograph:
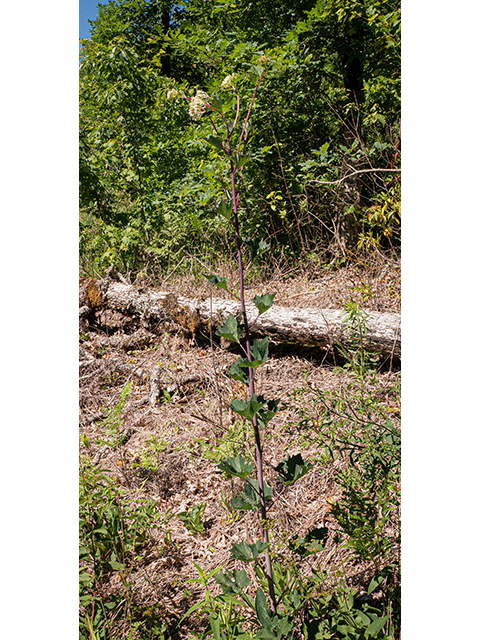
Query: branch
(355, 172)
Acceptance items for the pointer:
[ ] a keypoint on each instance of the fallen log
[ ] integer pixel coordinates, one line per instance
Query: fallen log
(303, 326)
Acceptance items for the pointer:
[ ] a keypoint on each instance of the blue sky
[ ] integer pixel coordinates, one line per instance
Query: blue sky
(87, 11)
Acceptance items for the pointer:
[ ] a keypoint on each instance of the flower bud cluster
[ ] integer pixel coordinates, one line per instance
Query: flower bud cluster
(197, 105)
(229, 81)
(172, 94)
(263, 60)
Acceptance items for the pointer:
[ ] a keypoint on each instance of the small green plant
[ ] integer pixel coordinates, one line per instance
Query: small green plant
(115, 434)
(357, 357)
(231, 443)
(192, 518)
(151, 456)
(371, 493)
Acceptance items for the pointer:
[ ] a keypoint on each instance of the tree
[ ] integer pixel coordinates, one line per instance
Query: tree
(328, 116)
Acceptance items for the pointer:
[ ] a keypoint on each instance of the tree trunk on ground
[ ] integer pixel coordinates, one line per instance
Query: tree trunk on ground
(303, 326)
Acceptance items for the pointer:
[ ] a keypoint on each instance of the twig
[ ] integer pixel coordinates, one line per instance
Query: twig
(355, 173)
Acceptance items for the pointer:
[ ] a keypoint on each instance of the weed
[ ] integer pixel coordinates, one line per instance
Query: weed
(114, 422)
(112, 531)
(357, 357)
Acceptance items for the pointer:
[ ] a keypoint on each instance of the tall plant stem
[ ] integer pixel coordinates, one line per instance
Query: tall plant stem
(251, 372)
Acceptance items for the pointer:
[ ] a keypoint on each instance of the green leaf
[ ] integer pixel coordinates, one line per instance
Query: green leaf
(215, 626)
(231, 330)
(265, 415)
(225, 210)
(379, 577)
(215, 142)
(238, 467)
(217, 281)
(263, 612)
(192, 518)
(247, 552)
(192, 609)
(256, 247)
(248, 408)
(312, 543)
(240, 160)
(376, 626)
(292, 468)
(258, 69)
(249, 498)
(258, 353)
(217, 104)
(259, 350)
(239, 372)
(232, 582)
(263, 303)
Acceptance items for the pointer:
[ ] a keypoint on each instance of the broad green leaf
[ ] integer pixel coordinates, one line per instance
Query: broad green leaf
(292, 468)
(259, 350)
(240, 161)
(217, 281)
(245, 363)
(247, 552)
(238, 372)
(248, 408)
(265, 415)
(238, 467)
(215, 142)
(225, 210)
(256, 247)
(265, 616)
(375, 626)
(231, 330)
(249, 498)
(310, 544)
(263, 303)
(232, 582)
(217, 104)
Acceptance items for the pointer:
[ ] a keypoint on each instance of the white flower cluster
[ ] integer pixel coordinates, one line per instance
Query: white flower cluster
(197, 105)
(172, 94)
(229, 81)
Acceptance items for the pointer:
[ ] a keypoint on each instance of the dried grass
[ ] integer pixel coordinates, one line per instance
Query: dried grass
(192, 425)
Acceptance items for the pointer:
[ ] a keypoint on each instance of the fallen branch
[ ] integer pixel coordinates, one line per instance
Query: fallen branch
(303, 326)
(354, 173)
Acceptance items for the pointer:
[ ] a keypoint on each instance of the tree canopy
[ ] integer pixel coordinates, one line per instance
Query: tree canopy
(322, 178)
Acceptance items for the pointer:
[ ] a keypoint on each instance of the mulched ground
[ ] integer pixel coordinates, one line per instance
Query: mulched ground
(195, 428)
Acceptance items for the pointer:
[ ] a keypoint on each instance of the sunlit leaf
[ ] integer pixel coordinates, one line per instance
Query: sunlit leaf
(231, 330)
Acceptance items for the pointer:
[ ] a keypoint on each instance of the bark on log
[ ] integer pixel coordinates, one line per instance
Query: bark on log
(304, 326)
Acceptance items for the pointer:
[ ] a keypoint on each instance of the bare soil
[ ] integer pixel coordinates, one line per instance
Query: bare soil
(196, 429)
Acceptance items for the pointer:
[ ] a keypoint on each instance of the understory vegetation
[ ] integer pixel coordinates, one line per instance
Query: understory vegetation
(237, 146)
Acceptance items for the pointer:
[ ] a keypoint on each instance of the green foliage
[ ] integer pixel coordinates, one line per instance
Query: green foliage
(231, 330)
(114, 422)
(112, 532)
(292, 468)
(156, 184)
(238, 467)
(192, 518)
(357, 357)
(249, 498)
(151, 180)
(371, 492)
(311, 543)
